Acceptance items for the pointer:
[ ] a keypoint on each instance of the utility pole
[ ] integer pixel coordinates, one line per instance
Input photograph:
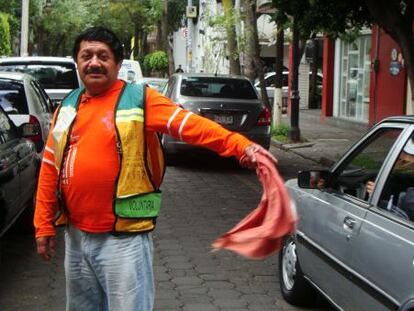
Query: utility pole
(189, 39)
(294, 133)
(24, 36)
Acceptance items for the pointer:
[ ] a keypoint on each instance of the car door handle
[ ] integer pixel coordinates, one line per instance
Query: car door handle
(349, 223)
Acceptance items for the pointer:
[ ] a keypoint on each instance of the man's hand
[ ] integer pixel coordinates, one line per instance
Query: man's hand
(370, 186)
(46, 247)
(249, 158)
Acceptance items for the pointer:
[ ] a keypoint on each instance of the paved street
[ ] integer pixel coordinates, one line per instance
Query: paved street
(203, 198)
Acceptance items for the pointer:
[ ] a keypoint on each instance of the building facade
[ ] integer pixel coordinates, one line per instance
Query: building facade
(365, 80)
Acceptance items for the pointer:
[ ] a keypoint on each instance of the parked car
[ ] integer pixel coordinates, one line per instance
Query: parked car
(354, 244)
(270, 81)
(130, 71)
(156, 83)
(25, 101)
(19, 167)
(229, 100)
(57, 75)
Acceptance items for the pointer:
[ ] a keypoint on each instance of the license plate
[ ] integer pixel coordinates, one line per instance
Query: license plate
(223, 119)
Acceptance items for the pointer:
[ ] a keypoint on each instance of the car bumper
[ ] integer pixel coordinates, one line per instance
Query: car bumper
(172, 145)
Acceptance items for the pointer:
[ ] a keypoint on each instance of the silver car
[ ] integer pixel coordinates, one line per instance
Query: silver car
(22, 98)
(355, 237)
(229, 100)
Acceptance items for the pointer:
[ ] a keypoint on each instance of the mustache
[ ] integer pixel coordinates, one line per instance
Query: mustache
(94, 70)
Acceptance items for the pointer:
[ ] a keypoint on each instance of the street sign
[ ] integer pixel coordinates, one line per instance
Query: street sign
(191, 12)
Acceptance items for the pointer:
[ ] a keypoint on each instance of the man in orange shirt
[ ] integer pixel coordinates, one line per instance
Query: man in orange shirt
(100, 177)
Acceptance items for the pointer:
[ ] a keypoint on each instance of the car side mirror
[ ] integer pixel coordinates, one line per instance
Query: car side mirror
(314, 179)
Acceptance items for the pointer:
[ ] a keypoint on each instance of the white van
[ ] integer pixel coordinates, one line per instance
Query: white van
(130, 71)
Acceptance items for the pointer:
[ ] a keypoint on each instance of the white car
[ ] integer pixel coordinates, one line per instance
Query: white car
(270, 80)
(130, 71)
(57, 75)
(24, 101)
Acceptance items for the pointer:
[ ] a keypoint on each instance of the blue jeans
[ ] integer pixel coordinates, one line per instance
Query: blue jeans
(106, 272)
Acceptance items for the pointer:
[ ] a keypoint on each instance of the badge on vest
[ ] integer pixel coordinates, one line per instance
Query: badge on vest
(142, 206)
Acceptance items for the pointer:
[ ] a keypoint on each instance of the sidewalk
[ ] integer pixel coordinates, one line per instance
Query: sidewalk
(325, 142)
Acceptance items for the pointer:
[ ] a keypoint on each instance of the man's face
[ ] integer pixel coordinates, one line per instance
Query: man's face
(97, 66)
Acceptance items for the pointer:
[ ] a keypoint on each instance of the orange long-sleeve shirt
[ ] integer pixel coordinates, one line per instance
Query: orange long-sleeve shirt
(91, 161)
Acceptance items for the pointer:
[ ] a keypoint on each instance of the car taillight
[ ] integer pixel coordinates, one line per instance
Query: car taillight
(32, 130)
(265, 118)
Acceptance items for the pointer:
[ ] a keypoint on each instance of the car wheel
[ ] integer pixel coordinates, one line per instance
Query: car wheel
(295, 288)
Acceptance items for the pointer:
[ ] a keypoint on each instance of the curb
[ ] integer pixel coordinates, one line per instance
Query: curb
(292, 147)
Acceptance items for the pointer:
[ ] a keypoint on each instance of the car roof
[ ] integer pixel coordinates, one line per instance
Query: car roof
(39, 59)
(399, 119)
(153, 79)
(12, 75)
(211, 75)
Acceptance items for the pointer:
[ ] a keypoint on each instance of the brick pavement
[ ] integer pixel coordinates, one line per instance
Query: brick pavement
(200, 202)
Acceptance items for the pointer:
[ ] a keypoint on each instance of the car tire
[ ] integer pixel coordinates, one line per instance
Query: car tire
(294, 287)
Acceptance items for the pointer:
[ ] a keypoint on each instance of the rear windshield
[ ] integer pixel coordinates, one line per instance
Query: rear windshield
(217, 87)
(13, 98)
(50, 76)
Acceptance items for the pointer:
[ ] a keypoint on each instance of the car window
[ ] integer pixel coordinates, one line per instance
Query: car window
(397, 196)
(217, 87)
(13, 98)
(39, 98)
(364, 164)
(50, 76)
(7, 131)
(169, 88)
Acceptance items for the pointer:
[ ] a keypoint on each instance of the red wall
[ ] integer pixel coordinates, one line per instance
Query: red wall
(328, 78)
(387, 92)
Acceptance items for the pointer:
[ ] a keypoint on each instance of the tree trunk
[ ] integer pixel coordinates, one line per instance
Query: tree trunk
(231, 37)
(136, 48)
(165, 39)
(278, 95)
(313, 96)
(294, 133)
(250, 9)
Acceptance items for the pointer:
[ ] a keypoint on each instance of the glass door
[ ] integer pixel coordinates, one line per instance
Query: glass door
(354, 79)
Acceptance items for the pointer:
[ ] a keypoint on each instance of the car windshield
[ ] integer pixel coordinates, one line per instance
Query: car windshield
(50, 76)
(217, 87)
(12, 97)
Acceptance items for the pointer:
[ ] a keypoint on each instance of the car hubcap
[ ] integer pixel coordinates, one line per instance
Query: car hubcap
(289, 265)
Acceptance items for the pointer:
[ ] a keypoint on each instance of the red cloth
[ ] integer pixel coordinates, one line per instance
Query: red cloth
(261, 232)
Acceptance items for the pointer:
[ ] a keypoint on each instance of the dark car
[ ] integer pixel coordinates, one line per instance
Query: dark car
(19, 167)
(229, 100)
(355, 237)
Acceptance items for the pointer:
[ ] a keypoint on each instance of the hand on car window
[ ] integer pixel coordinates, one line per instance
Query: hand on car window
(370, 186)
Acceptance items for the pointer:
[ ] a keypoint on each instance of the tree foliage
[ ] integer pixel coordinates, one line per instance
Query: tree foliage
(5, 48)
(155, 62)
(158, 61)
(13, 9)
(333, 17)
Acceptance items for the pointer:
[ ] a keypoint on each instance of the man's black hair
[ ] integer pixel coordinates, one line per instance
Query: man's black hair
(100, 34)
